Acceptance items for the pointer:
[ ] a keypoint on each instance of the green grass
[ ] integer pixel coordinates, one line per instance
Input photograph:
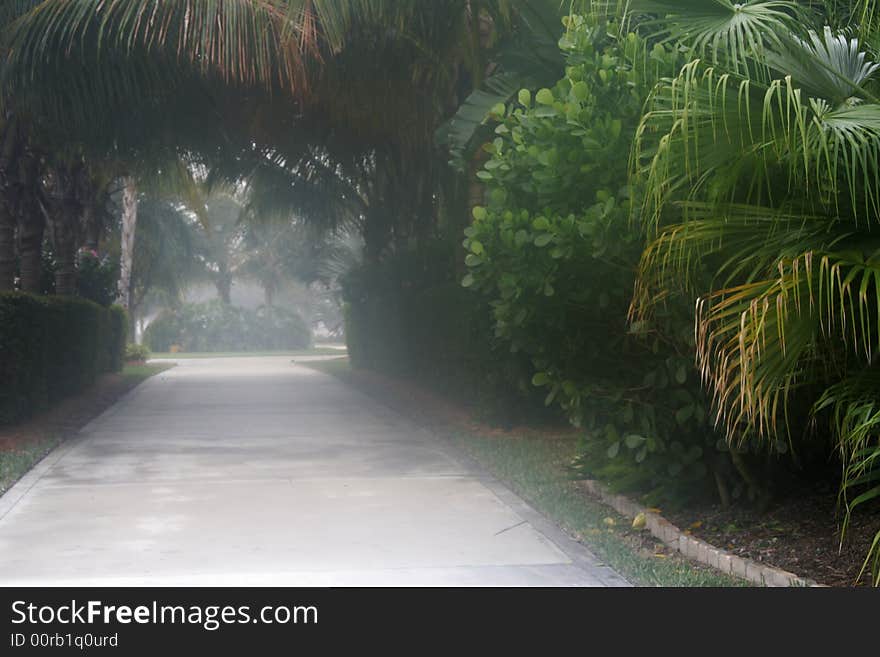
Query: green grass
(534, 466)
(314, 351)
(15, 463)
(137, 373)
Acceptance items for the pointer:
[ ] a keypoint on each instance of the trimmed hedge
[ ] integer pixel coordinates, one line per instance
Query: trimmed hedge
(216, 326)
(52, 347)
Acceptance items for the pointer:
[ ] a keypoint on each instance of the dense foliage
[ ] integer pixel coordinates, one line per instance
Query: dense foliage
(555, 251)
(761, 167)
(52, 347)
(217, 326)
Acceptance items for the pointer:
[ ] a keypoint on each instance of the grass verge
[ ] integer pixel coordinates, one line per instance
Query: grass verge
(533, 465)
(22, 446)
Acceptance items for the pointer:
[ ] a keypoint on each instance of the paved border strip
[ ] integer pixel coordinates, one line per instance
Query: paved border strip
(695, 548)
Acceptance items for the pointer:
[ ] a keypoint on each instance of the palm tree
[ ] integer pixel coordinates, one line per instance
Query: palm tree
(761, 164)
(380, 71)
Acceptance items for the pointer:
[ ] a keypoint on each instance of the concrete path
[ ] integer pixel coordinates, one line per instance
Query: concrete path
(258, 471)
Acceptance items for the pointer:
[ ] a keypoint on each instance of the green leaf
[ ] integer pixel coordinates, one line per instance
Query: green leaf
(580, 90)
(472, 260)
(544, 97)
(681, 374)
(684, 414)
(525, 97)
(540, 379)
(541, 223)
(633, 440)
(613, 450)
(468, 280)
(480, 213)
(476, 247)
(543, 239)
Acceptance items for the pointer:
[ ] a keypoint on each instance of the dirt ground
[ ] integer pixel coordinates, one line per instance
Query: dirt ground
(799, 532)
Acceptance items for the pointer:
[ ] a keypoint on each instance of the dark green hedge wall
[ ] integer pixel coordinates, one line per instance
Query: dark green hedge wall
(51, 347)
(409, 317)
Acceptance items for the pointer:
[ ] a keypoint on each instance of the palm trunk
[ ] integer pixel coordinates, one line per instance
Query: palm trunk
(223, 284)
(7, 248)
(9, 141)
(129, 224)
(91, 228)
(30, 215)
(64, 244)
(31, 227)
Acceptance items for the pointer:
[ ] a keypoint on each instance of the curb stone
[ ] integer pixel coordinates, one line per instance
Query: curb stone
(695, 548)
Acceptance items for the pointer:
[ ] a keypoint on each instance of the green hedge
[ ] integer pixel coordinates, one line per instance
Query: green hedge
(52, 347)
(409, 317)
(216, 326)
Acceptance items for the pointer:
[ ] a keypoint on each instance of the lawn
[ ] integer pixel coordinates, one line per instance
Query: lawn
(533, 464)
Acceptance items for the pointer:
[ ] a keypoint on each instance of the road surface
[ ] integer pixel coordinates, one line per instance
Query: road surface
(261, 471)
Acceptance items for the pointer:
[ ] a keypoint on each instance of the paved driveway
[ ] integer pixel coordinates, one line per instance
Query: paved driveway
(258, 471)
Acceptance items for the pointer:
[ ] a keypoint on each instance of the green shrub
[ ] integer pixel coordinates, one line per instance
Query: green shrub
(136, 352)
(96, 277)
(216, 326)
(51, 347)
(555, 251)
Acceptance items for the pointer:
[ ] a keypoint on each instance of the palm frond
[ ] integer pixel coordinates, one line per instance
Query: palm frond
(855, 418)
(727, 32)
(829, 66)
(243, 40)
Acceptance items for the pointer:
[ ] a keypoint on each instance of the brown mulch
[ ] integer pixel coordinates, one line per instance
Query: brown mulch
(799, 532)
(69, 415)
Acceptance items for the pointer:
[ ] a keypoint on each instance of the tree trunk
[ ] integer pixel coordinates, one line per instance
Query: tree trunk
(64, 244)
(31, 227)
(8, 151)
(126, 248)
(7, 247)
(223, 282)
(91, 228)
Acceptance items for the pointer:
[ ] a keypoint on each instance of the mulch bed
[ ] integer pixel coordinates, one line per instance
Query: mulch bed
(799, 532)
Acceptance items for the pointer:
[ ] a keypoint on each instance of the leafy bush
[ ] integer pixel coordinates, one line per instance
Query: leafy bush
(51, 347)
(555, 250)
(136, 352)
(216, 326)
(96, 277)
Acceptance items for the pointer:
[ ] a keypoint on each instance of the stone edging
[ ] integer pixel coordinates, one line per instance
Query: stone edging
(695, 548)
